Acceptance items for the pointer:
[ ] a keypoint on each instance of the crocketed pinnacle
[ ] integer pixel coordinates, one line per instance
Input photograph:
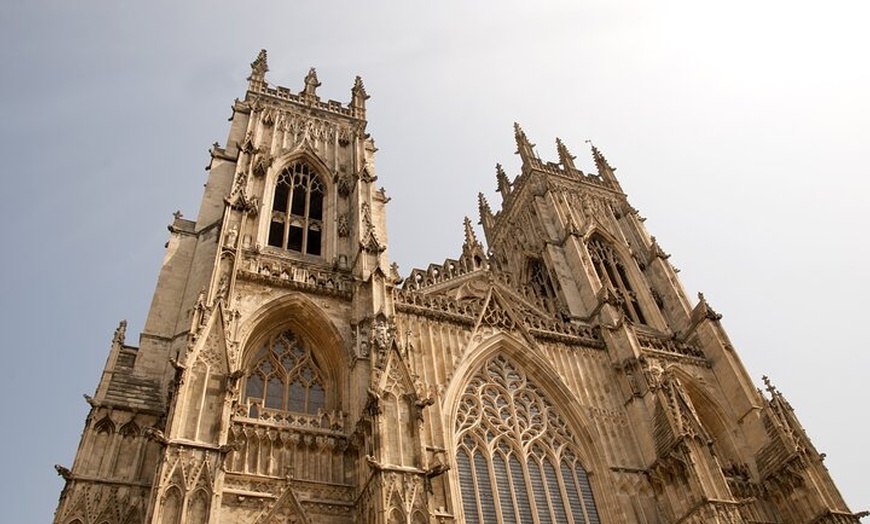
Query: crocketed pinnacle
(259, 66)
(358, 95)
(524, 147)
(504, 185)
(483, 205)
(565, 156)
(600, 161)
(470, 237)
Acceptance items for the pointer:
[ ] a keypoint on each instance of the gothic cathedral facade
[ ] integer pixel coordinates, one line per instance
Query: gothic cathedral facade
(287, 373)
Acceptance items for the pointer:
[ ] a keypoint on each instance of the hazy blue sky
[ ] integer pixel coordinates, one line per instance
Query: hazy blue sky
(740, 131)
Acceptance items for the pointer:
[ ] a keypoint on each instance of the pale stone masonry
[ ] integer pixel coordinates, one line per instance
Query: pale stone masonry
(287, 373)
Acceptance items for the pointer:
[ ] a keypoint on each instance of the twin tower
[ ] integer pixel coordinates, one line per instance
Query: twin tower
(287, 373)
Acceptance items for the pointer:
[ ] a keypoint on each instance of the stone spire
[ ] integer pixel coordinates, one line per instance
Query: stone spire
(358, 95)
(524, 147)
(565, 156)
(504, 185)
(258, 69)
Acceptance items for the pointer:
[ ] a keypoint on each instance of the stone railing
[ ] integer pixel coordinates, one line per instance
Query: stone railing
(668, 345)
(292, 273)
(321, 422)
(283, 93)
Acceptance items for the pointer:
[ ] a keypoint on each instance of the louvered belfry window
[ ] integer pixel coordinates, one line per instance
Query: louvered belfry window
(612, 273)
(297, 210)
(516, 459)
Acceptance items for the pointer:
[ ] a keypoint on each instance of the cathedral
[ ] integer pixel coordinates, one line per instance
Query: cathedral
(556, 373)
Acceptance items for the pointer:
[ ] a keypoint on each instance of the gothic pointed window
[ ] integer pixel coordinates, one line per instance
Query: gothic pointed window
(540, 282)
(284, 376)
(516, 458)
(611, 271)
(297, 210)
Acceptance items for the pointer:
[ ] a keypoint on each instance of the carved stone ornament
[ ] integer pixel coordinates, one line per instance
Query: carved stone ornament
(343, 225)
(344, 183)
(261, 165)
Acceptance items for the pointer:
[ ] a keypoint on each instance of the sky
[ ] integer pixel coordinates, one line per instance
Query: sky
(739, 129)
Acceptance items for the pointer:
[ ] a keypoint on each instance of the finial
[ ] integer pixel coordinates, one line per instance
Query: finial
(709, 312)
(470, 237)
(358, 95)
(565, 156)
(483, 205)
(504, 185)
(120, 333)
(259, 67)
(524, 147)
(311, 83)
(768, 386)
(605, 171)
(600, 161)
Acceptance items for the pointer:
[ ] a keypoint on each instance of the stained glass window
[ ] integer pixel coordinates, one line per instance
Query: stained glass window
(284, 376)
(516, 460)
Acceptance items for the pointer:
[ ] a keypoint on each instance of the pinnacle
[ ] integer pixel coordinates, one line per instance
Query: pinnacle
(504, 185)
(259, 66)
(470, 237)
(359, 89)
(565, 156)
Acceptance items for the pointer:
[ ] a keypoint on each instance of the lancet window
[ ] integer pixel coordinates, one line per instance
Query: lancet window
(297, 210)
(540, 282)
(284, 376)
(612, 273)
(517, 460)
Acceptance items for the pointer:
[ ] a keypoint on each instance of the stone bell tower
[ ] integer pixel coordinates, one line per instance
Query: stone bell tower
(287, 373)
(255, 392)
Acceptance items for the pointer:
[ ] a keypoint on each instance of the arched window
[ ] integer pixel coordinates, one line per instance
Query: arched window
(516, 459)
(540, 282)
(284, 376)
(297, 210)
(612, 273)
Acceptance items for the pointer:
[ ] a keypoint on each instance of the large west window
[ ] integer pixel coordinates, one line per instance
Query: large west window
(516, 459)
(297, 210)
(284, 376)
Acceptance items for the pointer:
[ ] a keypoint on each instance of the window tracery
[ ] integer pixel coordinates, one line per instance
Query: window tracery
(540, 282)
(284, 376)
(516, 458)
(612, 273)
(297, 210)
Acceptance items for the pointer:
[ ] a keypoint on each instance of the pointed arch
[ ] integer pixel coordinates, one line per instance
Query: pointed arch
(198, 507)
(612, 270)
(102, 446)
(128, 451)
(172, 501)
(533, 431)
(321, 349)
(712, 415)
